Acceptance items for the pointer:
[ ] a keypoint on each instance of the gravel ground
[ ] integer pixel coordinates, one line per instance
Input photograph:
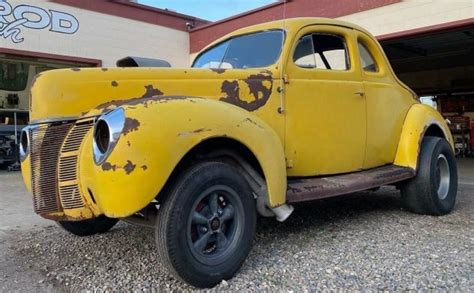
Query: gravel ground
(363, 241)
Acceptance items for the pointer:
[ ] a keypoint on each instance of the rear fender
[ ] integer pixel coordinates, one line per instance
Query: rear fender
(419, 118)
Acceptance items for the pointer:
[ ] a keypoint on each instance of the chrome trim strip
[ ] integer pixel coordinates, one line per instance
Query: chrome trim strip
(62, 119)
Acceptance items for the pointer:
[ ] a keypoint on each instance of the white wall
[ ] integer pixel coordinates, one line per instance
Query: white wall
(411, 14)
(102, 36)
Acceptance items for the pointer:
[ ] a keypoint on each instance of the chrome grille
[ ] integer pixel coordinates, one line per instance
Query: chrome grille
(68, 166)
(54, 163)
(70, 197)
(46, 141)
(75, 137)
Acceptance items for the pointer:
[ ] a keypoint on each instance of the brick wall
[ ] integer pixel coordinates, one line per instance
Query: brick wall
(204, 35)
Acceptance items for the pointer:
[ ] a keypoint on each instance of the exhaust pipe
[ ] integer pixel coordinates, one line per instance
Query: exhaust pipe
(258, 185)
(283, 212)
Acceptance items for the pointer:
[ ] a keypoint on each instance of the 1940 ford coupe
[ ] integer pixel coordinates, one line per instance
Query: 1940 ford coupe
(270, 115)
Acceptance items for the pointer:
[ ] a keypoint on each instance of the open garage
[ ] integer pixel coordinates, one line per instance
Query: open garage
(438, 64)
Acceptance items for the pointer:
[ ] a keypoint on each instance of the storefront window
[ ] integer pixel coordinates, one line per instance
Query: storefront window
(13, 76)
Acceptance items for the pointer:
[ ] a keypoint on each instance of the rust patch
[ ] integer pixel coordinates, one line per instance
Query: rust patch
(218, 70)
(253, 122)
(114, 83)
(312, 188)
(187, 133)
(256, 83)
(140, 101)
(107, 167)
(129, 167)
(151, 91)
(104, 69)
(144, 167)
(76, 69)
(200, 130)
(232, 91)
(292, 189)
(128, 143)
(130, 126)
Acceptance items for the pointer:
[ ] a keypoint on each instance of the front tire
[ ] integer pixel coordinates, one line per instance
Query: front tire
(433, 191)
(206, 224)
(89, 227)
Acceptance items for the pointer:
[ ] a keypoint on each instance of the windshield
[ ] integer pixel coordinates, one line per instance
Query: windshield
(260, 49)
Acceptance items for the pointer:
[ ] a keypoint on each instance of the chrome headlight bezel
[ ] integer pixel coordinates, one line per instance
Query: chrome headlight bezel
(115, 122)
(24, 150)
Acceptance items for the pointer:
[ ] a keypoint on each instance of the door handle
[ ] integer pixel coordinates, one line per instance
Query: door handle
(360, 94)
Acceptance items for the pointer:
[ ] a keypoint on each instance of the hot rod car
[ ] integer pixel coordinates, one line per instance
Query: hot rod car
(277, 113)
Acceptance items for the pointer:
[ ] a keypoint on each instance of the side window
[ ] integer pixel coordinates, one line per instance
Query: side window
(366, 59)
(322, 51)
(304, 53)
(331, 51)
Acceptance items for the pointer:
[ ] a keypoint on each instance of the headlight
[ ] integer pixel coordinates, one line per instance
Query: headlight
(107, 131)
(24, 143)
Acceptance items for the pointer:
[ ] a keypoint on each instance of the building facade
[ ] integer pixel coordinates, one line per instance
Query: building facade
(38, 35)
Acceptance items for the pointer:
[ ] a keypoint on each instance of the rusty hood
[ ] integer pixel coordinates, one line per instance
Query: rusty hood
(77, 92)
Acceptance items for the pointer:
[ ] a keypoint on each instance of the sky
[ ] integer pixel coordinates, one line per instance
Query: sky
(208, 9)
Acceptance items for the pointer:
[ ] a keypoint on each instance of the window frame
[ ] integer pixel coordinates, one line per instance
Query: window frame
(337, 35)
(361, 42)
(384, 72)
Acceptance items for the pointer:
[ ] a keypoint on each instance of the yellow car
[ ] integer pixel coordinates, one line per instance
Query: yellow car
(277, 113)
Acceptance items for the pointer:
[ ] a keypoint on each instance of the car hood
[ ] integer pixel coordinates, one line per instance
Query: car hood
(78, 92)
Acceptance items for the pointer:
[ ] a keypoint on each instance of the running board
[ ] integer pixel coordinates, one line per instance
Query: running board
(306, 189)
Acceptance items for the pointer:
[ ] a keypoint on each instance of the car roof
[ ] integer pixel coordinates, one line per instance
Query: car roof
(289, 24)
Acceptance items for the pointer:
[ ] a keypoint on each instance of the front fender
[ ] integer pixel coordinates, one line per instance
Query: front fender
(419, 118)
(158, 133)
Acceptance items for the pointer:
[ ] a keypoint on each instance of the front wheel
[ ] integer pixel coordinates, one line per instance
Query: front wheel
(433, 190)
(206, 224)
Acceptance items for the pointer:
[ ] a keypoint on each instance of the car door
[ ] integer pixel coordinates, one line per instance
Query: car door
(324, 103)
(386, 100)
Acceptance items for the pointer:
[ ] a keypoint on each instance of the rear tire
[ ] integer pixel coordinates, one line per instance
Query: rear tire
(206, 224)
(433, 190)
(89, 227)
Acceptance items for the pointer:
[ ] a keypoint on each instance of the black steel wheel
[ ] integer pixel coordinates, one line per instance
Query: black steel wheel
(205, 226)
(433, 190)
(215, 224)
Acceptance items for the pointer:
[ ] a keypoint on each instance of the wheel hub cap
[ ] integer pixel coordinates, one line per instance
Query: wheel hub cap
(215, 224)
(443, 176)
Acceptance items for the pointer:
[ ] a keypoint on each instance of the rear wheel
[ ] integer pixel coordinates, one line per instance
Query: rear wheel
(206, 224)
(433, 190)
(97, 225)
